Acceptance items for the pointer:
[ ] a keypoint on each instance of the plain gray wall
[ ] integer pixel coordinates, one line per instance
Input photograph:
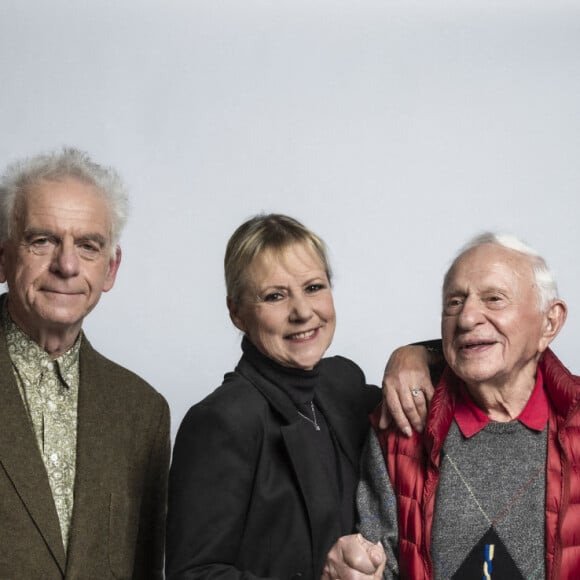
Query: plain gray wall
(394, 129)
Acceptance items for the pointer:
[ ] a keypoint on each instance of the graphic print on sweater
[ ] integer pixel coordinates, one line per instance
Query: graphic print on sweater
(489, 560)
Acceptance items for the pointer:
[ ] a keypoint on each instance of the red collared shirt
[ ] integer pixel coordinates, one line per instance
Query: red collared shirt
(471, 419)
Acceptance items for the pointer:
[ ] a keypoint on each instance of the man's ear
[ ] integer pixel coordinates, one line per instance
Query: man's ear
(3, 277)
(234, 310)
(111, 275)
(553, 322)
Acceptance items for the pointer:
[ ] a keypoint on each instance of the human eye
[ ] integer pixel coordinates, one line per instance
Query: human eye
(452, 304)
(495, 300)
(40, 240)
(40, 243)
(89, 248)
(313, 287)
(273, 297)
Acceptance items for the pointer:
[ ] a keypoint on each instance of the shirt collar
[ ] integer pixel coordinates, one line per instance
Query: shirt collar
(29, 358)
(471, 419)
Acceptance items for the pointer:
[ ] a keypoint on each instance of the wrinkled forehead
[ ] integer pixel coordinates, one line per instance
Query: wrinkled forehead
(490, 264)
(61, 201)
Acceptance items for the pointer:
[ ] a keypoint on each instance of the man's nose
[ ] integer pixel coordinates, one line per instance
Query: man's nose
(471, 313)
(65, 261)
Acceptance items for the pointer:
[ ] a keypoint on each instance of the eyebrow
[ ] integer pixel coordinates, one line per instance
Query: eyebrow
(316, 280)
(456, 290)
(272, 287)
(312, 280)
(453, 290)
(91, 236)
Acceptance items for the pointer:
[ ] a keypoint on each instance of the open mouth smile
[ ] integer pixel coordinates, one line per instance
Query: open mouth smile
(475, 345)
(307, 334)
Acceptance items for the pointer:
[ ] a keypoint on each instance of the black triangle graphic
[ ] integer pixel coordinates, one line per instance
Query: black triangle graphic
(488, 556)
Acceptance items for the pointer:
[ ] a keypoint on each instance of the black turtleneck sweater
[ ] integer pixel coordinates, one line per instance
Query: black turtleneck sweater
(300, 387)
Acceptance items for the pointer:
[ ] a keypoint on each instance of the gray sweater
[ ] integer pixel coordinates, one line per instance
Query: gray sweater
(491, 492)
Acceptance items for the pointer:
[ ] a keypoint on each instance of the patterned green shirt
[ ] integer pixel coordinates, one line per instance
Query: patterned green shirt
(49, 389)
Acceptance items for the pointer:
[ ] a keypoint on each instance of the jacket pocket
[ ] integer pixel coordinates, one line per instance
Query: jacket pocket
(123, 529)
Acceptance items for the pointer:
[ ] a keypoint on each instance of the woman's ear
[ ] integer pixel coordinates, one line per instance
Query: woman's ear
(234, 310)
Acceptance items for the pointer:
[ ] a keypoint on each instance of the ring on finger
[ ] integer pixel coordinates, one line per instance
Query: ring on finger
(416, 391)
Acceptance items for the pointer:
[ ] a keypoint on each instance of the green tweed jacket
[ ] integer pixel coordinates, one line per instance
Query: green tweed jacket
(118, 522)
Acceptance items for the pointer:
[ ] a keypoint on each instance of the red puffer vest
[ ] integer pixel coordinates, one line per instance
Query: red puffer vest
(413, 465)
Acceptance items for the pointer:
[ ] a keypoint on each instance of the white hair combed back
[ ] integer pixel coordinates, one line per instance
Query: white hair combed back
(545, 282)
(21, 175)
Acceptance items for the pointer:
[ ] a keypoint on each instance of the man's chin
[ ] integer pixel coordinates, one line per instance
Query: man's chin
(475, 374)
(61, 318)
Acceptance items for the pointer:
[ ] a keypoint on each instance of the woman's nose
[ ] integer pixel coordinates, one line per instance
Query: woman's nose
(300, 309)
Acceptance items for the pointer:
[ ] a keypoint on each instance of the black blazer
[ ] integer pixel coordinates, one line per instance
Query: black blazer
(245, 495)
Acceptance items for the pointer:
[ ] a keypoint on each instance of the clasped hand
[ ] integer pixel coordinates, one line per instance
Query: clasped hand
(354, 558)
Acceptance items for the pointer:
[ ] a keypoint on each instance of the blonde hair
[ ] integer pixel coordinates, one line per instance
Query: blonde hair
(265, 232)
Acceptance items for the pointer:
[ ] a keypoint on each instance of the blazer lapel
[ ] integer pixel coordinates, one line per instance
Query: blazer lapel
(320, 501)
(340, 422)
(309, 471)
(22, 462)
(92, 431)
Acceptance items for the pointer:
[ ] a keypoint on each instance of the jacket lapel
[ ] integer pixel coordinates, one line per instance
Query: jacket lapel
(340, 422)
(304, 460)
(22, 462)
(319, 500)
(92, 432)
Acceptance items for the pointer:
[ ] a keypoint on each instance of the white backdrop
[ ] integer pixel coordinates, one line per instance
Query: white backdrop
(395, 129)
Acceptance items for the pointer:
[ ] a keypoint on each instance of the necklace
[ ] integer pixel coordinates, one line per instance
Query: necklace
(314, 422)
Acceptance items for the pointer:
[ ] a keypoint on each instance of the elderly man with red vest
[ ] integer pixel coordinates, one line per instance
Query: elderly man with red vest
(491, 488)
